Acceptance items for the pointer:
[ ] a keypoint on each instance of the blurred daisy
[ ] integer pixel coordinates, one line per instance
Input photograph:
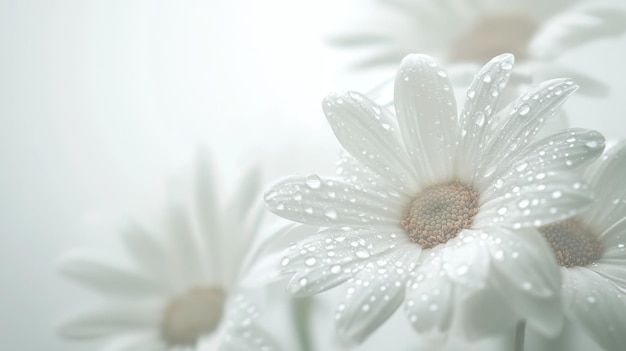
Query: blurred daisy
(591, 250)
(175, 292)
(429, 200)
(464, 34)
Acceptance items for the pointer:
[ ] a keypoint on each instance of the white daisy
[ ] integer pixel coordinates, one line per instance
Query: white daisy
(591, 250)
(175, 291)
(464, 34)
(428, 200)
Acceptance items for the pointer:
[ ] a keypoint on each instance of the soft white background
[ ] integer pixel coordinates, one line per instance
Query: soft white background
(101, 101)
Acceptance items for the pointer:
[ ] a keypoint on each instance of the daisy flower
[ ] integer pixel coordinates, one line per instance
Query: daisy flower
(464, 34)
(175, 290)
(429, 202)
(590, 248)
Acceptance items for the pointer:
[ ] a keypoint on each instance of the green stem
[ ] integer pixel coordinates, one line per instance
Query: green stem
(301, 312)
(520, 332)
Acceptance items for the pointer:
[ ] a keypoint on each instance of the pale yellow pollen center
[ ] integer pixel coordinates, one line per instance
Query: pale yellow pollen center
(439, 212)
(191, 315)
(573, 243)
(495, 34)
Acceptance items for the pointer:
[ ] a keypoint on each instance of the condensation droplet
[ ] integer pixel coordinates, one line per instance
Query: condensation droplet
(335, 269)
(285, 261)
(310, 261)
(591, 299)
(313, 181)
(330, 213)
(362, 254)
(523, 109)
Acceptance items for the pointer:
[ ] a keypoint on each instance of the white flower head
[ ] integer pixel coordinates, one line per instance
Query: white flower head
(464, 34)
(175, 291)
(591, 250)
(429, 202)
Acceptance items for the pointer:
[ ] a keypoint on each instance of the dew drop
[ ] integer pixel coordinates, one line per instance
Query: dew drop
(479, 119)
(524, 203)
(471, 93)
(335, 269)
(280, 206)
(303, 281)
(557, 194)
(362, 254)
(285, 261)
(592, 144)
(297, 196)
(461, 270)
(487, 78)
(591, 299)
(310, 261)
(503, 210)
(330, 213)
(442, 73)
(523, 109)
(313, 181)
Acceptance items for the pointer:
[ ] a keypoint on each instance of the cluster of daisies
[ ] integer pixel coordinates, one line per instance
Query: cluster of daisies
(460, 198)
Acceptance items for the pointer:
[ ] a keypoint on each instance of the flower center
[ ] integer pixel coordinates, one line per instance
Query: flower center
(191, 315)
(494, 34)
(573, 243)
(439, 212)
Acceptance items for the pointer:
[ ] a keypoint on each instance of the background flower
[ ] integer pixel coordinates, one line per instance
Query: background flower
(176, 288)
(464, 35)
(591, 250)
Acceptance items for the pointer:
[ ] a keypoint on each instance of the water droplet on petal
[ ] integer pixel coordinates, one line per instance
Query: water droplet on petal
(310, 261)
(523, 109)
(335, 269)
(362, 254)
(330, 213)
(313, 181)
(285, 261)
(591, 299)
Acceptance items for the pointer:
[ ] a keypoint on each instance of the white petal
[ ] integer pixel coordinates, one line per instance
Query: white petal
(187, 264)
(589, 85)
(525, 119)
(597, 305)
(466, 260)
(325, 202)
(577, 27)
(335, 255)
(112, 319)
(427, 115)
(146, 341)
(249, 338)
(572, 337)
(375, 293)
(146, 250)
(480, 104)
(539, 199)
(429, 304)
(606, 176)
(486, 313)
(524, 271)
(108, 278)
(370, 134)
(568, 149)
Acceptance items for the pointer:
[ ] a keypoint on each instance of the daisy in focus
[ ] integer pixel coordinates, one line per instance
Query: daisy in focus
(590, 248)
(428, 203)
(465, 34)
(176, 289)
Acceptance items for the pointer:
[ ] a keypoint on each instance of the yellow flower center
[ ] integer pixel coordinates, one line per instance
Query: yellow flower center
(573, 243)
(439, 212)
(494, 34)
(191, 315)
